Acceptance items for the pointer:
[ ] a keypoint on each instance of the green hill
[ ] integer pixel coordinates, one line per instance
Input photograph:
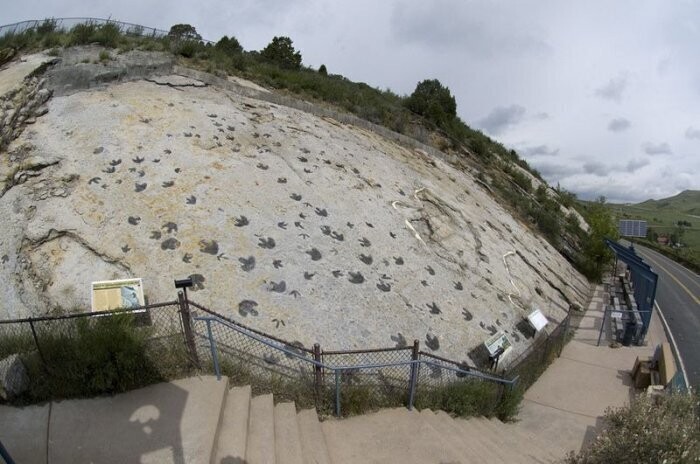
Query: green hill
(664, 216)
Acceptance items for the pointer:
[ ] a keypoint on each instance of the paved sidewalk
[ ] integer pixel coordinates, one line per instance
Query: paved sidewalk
(567, 403)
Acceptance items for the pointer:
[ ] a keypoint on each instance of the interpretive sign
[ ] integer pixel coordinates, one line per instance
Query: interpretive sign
(537, 320)
(115, 294)
(498, 342)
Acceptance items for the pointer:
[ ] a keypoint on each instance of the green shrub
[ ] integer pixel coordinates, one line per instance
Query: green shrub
(649, 430)
(104, 55)
(95, 355)
(464, 398)
(282, 53)
(107, 35)
(188, 48)
(82, 34)
(433, 101)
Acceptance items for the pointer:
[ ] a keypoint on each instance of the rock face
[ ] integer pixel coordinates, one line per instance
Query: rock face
(13, 377)
(300, 226)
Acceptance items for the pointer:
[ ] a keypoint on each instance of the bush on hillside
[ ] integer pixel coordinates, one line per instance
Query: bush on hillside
(650, 430)
(81, 34)
(184, 32)
(433, 101)
(229, 45)
(282, 53)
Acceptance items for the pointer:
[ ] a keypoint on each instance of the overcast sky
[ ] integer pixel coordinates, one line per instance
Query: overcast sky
(602, 97)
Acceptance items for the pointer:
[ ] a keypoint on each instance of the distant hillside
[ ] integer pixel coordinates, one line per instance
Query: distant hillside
(677, 217)
(686, 202)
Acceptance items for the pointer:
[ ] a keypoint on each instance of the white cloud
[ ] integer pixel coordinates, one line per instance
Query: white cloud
(662, 148)
(613, 89)
(501, 118)
(692, 133)
(618, 125)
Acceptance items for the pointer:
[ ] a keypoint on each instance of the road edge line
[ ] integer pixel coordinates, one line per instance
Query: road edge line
(675, 347)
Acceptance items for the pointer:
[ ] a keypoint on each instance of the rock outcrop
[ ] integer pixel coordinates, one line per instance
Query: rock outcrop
(304, 227)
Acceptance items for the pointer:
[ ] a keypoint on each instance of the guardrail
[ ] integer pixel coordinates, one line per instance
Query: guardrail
(338, 371)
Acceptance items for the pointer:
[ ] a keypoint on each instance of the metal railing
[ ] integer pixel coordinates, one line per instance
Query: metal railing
(413, 366)
(181, 335)
(66, 24)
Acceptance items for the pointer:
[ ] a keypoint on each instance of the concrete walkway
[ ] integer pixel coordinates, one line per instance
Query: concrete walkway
(173, 422)
(566, 404)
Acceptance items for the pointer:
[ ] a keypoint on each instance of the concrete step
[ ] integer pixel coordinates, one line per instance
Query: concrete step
(260, 445)
(168, 422)
(514, 441)
(313, 441)
(498, 438)
(287, 438)
(390, 435)
(476, 449)
(233, 429)
(479, 437)
(450, 435)
(544, 449)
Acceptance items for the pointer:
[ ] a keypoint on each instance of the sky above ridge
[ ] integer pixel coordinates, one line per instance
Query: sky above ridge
(601, 97)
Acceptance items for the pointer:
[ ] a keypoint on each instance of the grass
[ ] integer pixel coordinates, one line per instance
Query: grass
(662, 217)
(91, 356)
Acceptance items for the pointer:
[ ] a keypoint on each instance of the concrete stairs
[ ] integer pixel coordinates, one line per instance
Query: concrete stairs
(201, 420)
(253, 430)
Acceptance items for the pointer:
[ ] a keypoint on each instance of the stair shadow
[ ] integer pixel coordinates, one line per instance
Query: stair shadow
(232, 460)
(140, 426)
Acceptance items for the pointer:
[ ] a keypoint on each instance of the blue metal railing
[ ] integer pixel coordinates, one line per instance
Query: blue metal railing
(5, 455)
(337, 370)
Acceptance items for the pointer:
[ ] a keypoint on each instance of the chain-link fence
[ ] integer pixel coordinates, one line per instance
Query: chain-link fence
(106, 352)
(532, 362)
(66, 24)
(91, 353)
(341, 382)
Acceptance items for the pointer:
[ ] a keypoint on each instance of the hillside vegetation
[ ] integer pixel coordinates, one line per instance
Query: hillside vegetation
(677, 218)
(429, 115)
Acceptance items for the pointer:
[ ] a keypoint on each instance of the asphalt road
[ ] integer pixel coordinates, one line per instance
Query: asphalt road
(678, 296)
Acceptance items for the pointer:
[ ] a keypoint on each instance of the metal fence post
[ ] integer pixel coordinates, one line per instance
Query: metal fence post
(214, 351)
(602, 324)
(415, 356)
(318, 373)
(566, 332)
(38, 347)
(337, 393)
(187, 328)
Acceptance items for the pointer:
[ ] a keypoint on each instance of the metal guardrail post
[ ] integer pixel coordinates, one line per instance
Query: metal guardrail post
(187, 328)
(415, 356)
(214, 351)
(337, 393)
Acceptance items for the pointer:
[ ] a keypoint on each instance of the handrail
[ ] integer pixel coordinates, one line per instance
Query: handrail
(89, 313)
(356, 366)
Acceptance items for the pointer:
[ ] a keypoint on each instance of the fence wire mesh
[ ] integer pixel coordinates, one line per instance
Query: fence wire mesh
(384, 382)
(93, 353)
(66, 24)
(532, 362)
(64, 353)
